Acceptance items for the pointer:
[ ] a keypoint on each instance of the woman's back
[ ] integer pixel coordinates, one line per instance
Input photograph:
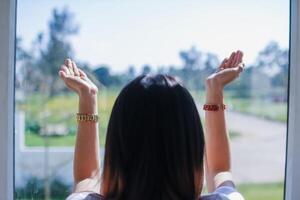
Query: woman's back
(155, 143)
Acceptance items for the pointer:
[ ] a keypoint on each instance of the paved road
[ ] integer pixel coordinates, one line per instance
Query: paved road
(258, 154)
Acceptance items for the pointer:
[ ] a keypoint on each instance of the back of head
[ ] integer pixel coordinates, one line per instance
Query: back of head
(155, 143)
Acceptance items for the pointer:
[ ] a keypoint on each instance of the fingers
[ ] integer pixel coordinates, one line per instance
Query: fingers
(72, 67)
(82, 73)
(235, 59)
(239, 62)
(66, 70)
(68, 64)
(230, 60)
(70, 70)
(238, 58)
(241, 57)
(62, 74)
(75, 69)
(231, 73)
(232, 68)
(240, 67)
(222, 66)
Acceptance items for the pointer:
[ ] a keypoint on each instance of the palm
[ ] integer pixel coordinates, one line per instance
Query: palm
(75, 78)
(229, 69)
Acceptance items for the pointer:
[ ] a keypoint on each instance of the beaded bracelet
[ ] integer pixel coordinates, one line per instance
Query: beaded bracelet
(214, 107)
(87, 117)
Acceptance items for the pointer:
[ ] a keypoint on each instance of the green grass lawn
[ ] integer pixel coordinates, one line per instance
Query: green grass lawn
(264, 109)
(32, 140)
(260, 191)
(62, 109)
(266, 191)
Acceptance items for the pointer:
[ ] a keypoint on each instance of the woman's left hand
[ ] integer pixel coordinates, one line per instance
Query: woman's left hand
(228, 71)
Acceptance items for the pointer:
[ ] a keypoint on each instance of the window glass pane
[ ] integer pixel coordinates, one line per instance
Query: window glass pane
(114, 41)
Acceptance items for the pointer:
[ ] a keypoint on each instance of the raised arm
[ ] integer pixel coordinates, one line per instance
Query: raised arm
(217, 155)
(86, 157)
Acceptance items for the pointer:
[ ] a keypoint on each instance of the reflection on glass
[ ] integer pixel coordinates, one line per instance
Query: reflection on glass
(186, 41)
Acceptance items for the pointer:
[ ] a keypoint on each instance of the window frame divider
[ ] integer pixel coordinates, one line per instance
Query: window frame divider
(292, 173)
(7, 77)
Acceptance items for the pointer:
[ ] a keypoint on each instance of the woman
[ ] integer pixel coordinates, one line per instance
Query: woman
(155, 146)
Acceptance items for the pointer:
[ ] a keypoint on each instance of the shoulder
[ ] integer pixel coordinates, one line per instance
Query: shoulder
(85, 196)
(224, 193)
(229, 193)
(88, 185)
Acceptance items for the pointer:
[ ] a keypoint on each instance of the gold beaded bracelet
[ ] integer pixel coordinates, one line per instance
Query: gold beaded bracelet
(87, 117)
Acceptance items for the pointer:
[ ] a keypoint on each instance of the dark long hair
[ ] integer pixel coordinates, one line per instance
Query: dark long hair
(154, 144)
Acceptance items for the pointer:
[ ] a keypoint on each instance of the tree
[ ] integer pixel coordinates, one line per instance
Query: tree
(22, 56)
(273, 61)
(21, 53)
(146, 69)
(211, 62)
(103, 75)
(241, 88)
(131, 72)
(28, 76)
(281, 78)
(196, 67)
(61, 27)
(190, 58)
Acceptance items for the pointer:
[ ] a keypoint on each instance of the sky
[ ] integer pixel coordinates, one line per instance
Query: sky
(121, 33)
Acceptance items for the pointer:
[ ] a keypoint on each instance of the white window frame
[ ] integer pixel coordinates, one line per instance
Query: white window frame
(292, 174)
(7, 63)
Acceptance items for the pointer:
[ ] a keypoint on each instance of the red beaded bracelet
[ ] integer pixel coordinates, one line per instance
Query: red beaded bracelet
(214, 107)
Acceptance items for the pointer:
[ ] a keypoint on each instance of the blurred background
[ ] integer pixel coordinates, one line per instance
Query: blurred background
(114, 41)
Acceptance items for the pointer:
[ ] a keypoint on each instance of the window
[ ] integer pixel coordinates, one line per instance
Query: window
(40, 140)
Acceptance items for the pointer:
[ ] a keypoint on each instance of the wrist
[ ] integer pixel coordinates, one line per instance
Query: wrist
(88, 104)
(87, 93)
(214, 91)
(214, 99)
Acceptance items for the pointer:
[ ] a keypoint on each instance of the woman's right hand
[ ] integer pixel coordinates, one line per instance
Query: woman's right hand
(76, 80)
(228, 71)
